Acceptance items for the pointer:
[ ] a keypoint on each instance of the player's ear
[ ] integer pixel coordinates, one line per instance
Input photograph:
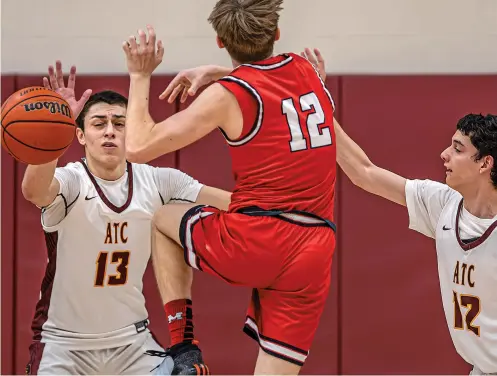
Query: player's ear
(81, 136)
(488, 163)
(219, 42)
(277, 34)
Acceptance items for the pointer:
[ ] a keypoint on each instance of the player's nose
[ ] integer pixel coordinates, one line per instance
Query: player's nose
(445, 155)
(109, 129)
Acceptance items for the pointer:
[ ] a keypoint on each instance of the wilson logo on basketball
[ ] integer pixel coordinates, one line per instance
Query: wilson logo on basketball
(53, 107)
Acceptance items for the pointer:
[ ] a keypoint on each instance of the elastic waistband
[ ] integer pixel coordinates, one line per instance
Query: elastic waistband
(298, 217)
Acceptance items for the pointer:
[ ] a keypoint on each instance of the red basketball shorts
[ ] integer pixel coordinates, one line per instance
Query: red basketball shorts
(285, 259)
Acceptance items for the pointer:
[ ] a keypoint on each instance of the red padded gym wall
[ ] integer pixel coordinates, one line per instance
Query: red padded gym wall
(392, 318)
(384, 313)
(8, 215)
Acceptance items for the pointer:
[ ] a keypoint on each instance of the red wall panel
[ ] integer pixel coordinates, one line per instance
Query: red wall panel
(392, 319)
(8, 257)
(384, 313)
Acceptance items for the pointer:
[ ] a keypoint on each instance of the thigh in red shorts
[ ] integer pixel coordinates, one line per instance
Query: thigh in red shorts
(287, 263)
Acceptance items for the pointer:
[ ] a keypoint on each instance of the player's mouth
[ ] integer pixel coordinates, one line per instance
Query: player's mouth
(109, 145)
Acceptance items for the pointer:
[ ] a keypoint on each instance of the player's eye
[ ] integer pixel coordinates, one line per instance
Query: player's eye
(120, 124)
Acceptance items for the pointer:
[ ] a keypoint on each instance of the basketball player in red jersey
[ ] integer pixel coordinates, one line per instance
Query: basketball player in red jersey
(278, 234)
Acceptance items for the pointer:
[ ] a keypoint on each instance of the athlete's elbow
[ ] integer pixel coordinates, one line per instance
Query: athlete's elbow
(366, 178)
(136, 154)
(27, 190)
(32, 194)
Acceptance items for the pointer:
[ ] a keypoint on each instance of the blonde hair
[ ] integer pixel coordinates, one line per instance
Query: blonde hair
(247, 28)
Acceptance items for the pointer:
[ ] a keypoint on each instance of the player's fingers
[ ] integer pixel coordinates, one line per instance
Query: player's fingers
(151, 37)
(58, 73)
(71, 82)
(126, 48)
(160, 50)
(170, 87)
(319, 56)
(133, 49)
(143, 40)
(175, 93)
(193, 88)
(184, 94)
(311, 57)
(51, 77)
(86, 95)
(46, 84)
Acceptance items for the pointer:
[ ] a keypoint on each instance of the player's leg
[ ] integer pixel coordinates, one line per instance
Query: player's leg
(51, 359)
(270, 365)
(212, 241)
(142, 357)
(284, 318)
(174, 278)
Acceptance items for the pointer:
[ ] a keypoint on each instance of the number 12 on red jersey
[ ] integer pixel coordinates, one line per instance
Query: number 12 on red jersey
(317, 137)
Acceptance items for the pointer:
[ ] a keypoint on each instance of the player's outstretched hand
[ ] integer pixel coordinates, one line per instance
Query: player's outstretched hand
(188, 81)
(143, 57)
(55, 81)
(317, 60)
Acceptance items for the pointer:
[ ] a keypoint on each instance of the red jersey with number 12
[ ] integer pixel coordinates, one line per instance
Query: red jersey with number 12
(286, 156)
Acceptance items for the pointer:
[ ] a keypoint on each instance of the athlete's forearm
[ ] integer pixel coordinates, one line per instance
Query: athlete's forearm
(350, 157)
(139, 123)
(39, 185)
(215, 197)
(366, 175)
(217, 72)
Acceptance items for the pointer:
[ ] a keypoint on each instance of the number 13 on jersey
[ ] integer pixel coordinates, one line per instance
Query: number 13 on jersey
(121, 259)
(317, 137)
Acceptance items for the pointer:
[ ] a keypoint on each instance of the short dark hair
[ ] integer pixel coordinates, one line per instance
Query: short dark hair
(482, 131)
(106, 96)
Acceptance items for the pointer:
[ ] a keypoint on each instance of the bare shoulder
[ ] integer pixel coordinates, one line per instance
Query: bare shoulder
(221, 105)
(217, 96)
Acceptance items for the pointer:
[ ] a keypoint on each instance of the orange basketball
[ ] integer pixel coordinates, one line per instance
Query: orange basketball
(37, 125)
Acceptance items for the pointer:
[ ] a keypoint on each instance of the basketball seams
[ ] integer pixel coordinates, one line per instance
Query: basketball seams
(34, 147)
(8, 149)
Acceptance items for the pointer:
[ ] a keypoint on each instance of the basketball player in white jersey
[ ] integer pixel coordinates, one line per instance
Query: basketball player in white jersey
(460, 215)
(96, 214)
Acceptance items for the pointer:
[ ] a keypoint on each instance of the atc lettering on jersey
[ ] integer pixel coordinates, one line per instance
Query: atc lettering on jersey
(463, 275)
(115, 233)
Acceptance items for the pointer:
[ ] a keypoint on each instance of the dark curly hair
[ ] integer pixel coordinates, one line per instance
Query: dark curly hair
(482, 131)
(106, 96)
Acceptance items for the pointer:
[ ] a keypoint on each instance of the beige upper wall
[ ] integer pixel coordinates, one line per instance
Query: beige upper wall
(356, 36)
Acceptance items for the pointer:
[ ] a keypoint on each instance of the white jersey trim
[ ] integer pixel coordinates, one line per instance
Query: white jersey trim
(270, 346)
(258, 123)
(269, 67)
(322, 83)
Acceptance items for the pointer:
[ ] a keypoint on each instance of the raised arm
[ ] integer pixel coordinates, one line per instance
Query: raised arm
(146, 139)
(366, 175)
(39, 184)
